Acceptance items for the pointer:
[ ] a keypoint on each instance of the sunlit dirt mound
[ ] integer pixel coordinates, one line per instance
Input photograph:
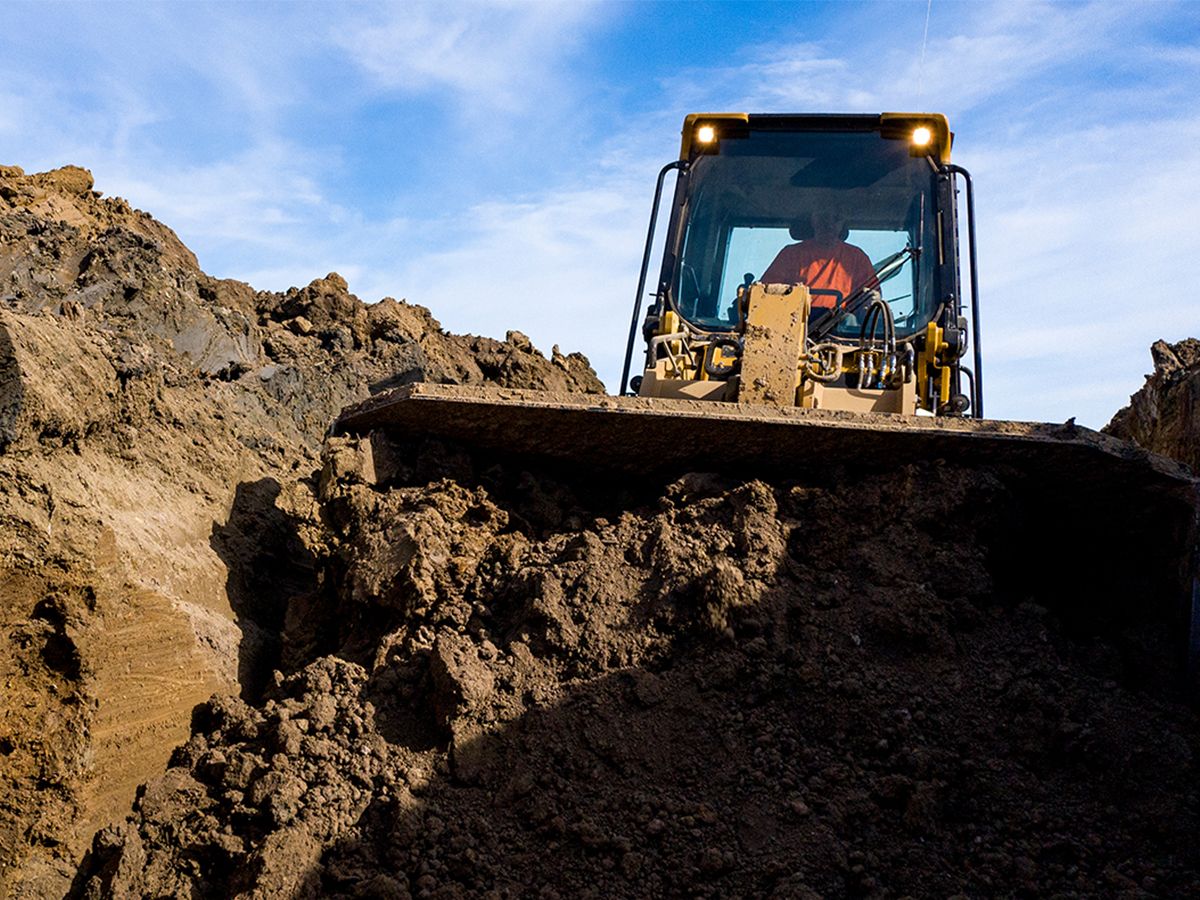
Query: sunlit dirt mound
(159, 430)
(534, 682)
(1164, 416)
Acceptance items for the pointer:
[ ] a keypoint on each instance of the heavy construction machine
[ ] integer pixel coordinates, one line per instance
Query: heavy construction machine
(749, 186)
(770, 347)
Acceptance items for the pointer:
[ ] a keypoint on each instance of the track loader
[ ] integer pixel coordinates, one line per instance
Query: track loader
(810, 310)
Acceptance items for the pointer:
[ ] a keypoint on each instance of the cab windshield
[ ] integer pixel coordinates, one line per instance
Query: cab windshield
(780, 201)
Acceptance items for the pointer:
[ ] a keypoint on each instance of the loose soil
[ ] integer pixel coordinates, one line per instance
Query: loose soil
(159, 430)
(437, 671)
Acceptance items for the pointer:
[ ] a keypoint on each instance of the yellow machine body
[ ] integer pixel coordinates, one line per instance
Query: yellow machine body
(776, 367)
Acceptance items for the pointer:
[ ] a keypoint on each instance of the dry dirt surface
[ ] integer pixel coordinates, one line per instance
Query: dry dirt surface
(426, 670)
(159, 434)
(528, 682)
(1164, 416)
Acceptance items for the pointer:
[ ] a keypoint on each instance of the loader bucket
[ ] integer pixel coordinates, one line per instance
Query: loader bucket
(1113, 526)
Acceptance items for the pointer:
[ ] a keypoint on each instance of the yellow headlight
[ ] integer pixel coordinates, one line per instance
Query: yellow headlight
(921, 136)
(706, 134)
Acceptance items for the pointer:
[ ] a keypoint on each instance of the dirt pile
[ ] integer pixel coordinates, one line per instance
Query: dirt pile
(159, 434)
(436, 672)
(532, 682)
(1164, 416)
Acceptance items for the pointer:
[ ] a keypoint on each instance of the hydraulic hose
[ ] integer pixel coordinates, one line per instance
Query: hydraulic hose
(878, 313)
(830, 358)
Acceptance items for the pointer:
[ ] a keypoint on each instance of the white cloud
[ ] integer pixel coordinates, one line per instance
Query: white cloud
(1000, 46)
(1087, 258)
(561, 267)
(976, 52)
(493, 56)
(188, 113)
(1067, 115)
(261, 208)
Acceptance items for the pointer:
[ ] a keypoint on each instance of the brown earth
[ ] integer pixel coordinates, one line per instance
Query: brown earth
(441, 672)
(539, 684)
(159, 430)
(1164, 416)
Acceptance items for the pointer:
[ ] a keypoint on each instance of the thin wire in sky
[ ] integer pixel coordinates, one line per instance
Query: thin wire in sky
(921, 67)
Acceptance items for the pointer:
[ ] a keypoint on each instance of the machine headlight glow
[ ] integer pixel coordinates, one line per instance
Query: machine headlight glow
(921, 136)
(706, 134)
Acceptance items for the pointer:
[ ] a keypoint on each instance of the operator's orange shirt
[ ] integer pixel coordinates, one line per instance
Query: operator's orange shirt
(829, 265)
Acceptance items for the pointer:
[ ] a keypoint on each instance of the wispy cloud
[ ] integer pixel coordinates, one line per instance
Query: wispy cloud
(251, 205)
(1087, 255)
(489, 56)
(872, 61)
(205, 116)
(562, 267)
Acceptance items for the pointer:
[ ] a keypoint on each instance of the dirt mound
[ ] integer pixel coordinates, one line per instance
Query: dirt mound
(159, 434)
(1164, 416)
(532, 682)
(435, 672)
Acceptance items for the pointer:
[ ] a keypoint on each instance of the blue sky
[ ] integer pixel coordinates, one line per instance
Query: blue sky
(495, 161)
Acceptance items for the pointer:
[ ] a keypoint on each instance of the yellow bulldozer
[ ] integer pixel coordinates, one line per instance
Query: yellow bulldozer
(810, 310)
(865, 312)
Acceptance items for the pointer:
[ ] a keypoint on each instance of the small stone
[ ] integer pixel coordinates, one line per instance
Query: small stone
(300, 325)
(519, 340)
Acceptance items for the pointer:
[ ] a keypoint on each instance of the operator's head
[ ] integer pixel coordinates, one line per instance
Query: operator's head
(828, 224)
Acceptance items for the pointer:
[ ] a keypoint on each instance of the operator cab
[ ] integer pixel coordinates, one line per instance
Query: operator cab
(749, 192)
(752, 191)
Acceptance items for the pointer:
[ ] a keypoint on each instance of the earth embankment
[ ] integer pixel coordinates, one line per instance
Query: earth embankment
(245, 658)
(531, 682)
(159, 433)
